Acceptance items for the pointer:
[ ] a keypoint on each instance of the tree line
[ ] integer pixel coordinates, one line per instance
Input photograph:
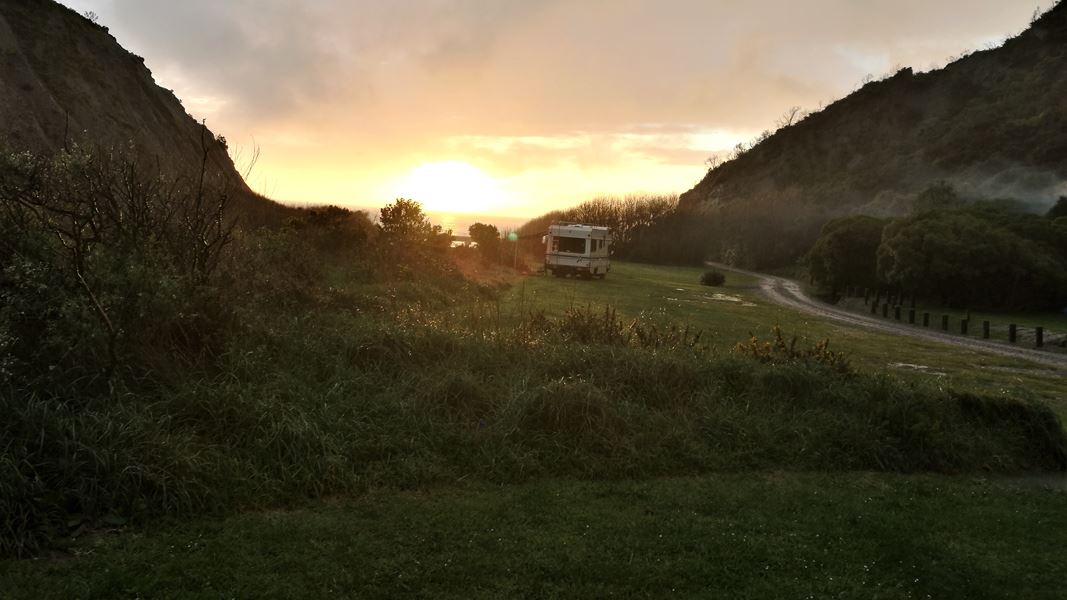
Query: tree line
(648, 228)
(770, 232)
(989, 254)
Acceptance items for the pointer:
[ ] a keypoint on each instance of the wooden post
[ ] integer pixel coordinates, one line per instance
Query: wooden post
(911, 316)
(874, 306)
(926, 319)
(866, 295)
(985, 329)
(1039, 336)
(885, 310)
(944, 322)
(896, 312)
(963, 326)
(1012, 333)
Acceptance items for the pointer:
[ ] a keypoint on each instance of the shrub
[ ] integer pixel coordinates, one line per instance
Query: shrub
(488, 239)
(111, 263)
(778, 351)
(713, 278)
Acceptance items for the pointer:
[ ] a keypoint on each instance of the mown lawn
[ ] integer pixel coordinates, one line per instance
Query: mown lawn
(729, 536)
(731, 313)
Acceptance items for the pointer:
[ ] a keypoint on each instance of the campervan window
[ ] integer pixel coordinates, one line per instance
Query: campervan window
(568, 244)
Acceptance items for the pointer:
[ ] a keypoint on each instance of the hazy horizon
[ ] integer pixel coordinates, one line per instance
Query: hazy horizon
(516, 108)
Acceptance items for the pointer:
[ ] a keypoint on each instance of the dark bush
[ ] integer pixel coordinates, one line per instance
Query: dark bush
(713, 278)
(108, 267)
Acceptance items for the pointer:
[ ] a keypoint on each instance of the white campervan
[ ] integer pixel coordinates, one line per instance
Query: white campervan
(576, 249)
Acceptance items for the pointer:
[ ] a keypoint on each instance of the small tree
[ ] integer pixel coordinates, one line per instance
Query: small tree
(404, 218)
(939, 196)
(846, 253)
(488, 239)
(1059, 209)
(407, 232)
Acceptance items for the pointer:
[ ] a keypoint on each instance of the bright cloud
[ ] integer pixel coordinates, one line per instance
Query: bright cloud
(550, 100)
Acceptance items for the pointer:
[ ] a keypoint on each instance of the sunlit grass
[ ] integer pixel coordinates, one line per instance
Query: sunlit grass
(675, 294)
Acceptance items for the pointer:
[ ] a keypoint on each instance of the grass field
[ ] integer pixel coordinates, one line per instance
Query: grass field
(735, 536)
(731, 313)
(413, 457)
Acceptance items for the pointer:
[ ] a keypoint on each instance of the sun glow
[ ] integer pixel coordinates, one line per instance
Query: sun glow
(453, 186)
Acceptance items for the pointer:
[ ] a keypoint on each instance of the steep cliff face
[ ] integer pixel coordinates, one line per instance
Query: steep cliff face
(993, 124)
(64, 79)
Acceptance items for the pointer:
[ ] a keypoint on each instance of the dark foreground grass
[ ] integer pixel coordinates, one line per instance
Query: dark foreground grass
(724, 536)
(410, 384)
(325, 404)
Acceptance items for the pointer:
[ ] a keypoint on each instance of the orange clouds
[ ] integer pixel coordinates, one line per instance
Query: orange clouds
(554, 100)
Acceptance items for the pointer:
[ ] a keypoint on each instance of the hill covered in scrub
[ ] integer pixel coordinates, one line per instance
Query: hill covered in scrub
(990, 124)
(65, 80)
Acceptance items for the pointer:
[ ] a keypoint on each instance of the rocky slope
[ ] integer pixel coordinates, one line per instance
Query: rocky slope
(992, 124)
(66, 80)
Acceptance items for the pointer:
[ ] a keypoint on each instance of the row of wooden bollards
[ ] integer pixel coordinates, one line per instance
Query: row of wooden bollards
(965, 323)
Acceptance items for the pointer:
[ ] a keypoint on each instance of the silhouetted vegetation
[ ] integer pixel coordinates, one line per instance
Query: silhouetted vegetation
(488, 239)
(638, 225)
(658, 230)
(713, 278)
(1058, 210)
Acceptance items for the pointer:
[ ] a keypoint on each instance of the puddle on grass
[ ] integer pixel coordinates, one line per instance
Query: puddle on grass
(716, 297)
(918, 369)
(720, 297)
(1019, 370)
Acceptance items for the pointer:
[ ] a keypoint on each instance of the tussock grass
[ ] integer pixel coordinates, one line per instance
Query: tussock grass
(334, 403)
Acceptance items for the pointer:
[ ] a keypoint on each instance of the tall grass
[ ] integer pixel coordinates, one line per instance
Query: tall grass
(314, 404)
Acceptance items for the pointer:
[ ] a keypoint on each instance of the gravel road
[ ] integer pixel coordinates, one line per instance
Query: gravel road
(788, 293)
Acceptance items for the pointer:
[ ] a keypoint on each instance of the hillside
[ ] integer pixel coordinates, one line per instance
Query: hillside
(990, 124)
(65, 79)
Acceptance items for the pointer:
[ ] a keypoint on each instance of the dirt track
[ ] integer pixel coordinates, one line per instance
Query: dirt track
(788, 293)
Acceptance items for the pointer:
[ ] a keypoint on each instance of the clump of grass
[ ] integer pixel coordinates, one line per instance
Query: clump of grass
(459, 397)
(586, 325)
(571, 409)
(777, 350)
(713, 278)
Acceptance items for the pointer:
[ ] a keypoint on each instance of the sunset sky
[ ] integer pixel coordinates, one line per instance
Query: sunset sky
(515, 107)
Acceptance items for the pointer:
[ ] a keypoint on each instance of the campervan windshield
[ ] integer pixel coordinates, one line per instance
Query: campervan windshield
(568, 244)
